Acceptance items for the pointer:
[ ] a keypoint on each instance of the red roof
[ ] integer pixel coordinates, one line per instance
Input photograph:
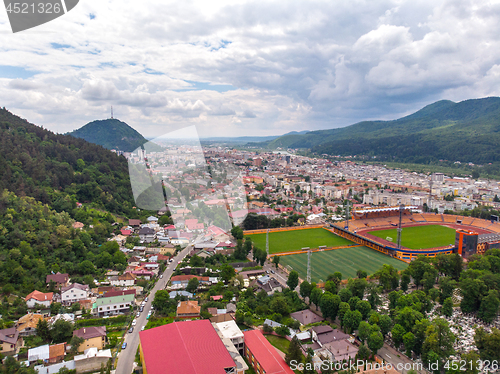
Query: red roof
(40, 296)
(265, 354)
(126, 232)
(191, 347)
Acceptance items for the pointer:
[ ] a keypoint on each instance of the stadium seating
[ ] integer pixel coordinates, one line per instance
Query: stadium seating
(467, 221)
(450, 218)
(431, 217)
(418, 218)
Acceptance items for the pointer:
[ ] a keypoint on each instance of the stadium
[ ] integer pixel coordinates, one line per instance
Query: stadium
(426, 234)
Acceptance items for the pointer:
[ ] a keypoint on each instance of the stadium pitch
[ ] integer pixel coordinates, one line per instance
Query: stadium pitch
(346, 260)
(285, 241)
(420, 237)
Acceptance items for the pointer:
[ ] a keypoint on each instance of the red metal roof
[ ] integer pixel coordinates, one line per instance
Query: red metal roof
(265, 353)
(191, 347)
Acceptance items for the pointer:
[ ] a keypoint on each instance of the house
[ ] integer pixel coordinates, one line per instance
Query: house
(102, 290)
(147, 235)
(174, 294)
(26, 325)
(56, 353)
(305, 317)
(231, 331)
(91, 360)
(325, 334)
(269, 284)
(134, 222)
(94, 337)
(61, 280)
(188, 309)
(40, 298)
(181, 281)
(184, 347)
(217, 234)
(78, 225)
(341, 350)
(221, 318)
(121, 293)
(74, 293)
(120, 239)
(109, 306)
(262, 356)
(152, 219)
(193, 225)
(39, 353)
(126, 232)
(10, 341)
(124, 280)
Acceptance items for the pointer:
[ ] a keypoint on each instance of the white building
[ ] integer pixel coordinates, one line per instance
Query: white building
(74, 293)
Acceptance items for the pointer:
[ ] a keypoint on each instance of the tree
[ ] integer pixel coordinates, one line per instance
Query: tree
(439, 340)
(388, 277)
(446, 285)
(420, 332)
(294, 352)
(385, 323)
(276, 261)
(361, 274)
(364, 307)
(305, 289)
(329, 305)
(447, 308)
(237, 232)
(42, 330)
(397, 333)
(282, 330)
(315, 297)
(375, 341)
(363, 330)
(407, 317)
(61, 331)
(267, 329)
(488, 310)
(55, 308)
(293, 280)
(227, 272)
(363, 352)
(192, 285)
(75, 343)
(357, 287)
(408, 341)
(488, 343)
(472, 292)
(345, 294)
(405, 281)
(343, 309)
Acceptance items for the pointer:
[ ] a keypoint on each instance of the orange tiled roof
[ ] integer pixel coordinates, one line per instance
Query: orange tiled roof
(40, 296)
(188, 307)
(56, 350)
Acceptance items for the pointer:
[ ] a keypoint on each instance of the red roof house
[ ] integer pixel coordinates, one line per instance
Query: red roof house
(192, 347)
(263, 353)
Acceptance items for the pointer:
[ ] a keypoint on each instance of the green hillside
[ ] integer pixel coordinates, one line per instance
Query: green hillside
(60, 170)
(468, 131)
(111, 134)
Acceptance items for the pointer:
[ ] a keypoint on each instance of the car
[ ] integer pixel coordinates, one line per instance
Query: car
(272, 271)
(146, 299)
(161, 276)
(131, 330)
(142, 328)
(134, 322)
(124, 345)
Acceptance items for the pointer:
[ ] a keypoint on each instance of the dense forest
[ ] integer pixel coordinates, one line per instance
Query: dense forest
(61, 170)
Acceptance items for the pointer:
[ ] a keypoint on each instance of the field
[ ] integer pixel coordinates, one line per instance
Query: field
(345, 260)
(284, 241)
(420, 237)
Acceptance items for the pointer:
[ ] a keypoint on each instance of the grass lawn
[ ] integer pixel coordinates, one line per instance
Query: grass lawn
(420, 237)
(278, 342)
(345, 260)
(284, 241)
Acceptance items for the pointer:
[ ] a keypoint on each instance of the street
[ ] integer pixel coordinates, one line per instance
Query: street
(395, 358)
(126, 357)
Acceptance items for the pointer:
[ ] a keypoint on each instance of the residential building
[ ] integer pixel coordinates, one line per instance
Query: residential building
(231, 331)
(91, 360)
(108, 306)
(26, 325)
(262, 356)
(124, 280)
(74, 293)
(185, 347)
(188, 309)
(61, 280)
(10, 340)
(56, 353)
(39, 298)
(268, 284)
(147, 235)
(94, 337)
(306, 317)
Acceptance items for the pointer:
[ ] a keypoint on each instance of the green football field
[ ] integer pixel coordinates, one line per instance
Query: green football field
(284, 241)
(420, 237)
(346, 260)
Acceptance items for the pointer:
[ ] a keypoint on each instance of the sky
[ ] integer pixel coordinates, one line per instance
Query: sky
(235, 68)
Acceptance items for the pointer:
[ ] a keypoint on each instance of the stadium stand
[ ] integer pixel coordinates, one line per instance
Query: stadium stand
(431, 217)
(418, 218)
(450, 219)
(467, 221)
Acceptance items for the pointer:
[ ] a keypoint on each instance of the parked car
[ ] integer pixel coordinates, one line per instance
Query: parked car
(138, 314)
(124, 345)
(141, 309)
(161, 276)
(134, 322)
(131, 330)
(146, 299)
(142, 328)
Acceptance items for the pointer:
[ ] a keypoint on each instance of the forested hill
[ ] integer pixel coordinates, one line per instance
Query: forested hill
(111, 134)
(60, 170)
(468, 131)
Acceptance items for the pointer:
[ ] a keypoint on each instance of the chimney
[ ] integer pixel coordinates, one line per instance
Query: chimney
(84, 330)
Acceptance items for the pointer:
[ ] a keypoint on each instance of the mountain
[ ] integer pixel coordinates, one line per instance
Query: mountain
(248, 139)
(60, 170)
(111, 134)
(468, 131)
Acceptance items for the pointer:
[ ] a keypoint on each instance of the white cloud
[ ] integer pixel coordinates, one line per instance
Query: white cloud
(293, 65)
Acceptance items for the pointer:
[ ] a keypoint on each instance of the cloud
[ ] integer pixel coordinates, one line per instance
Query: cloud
(297, 65)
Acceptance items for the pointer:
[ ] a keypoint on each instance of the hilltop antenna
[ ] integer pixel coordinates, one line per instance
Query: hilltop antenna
(401, 208)
(111, 111)
(309, 253)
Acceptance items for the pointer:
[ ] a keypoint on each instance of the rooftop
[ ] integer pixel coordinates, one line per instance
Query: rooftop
(265, 354)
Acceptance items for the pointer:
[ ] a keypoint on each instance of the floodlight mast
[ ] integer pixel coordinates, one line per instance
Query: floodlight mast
(309, 253)
(401, 209)
(347, 216)
(267, 242)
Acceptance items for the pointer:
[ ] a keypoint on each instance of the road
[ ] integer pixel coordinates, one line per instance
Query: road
(126, 357)
(399, 361)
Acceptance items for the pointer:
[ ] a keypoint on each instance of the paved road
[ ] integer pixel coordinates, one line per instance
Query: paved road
(126, 357)
(390, 355)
